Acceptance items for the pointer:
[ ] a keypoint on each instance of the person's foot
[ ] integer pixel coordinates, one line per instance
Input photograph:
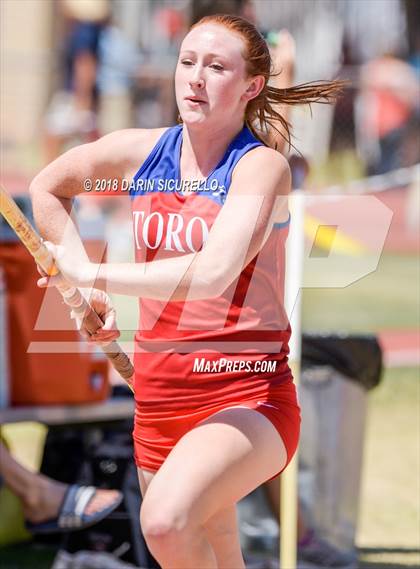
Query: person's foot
(315, 550)
(46, 496)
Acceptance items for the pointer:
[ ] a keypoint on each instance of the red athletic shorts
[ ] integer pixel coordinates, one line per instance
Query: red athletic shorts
(157, 432)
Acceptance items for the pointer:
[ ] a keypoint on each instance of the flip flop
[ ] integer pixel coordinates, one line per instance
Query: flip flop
(71, 515)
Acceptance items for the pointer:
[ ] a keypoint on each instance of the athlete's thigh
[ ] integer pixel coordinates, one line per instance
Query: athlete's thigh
(215, 464)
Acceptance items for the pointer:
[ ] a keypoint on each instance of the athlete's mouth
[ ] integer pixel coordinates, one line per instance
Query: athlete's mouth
(195, 99)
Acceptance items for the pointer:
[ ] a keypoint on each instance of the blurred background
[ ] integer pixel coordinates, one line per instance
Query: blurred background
(74, 70)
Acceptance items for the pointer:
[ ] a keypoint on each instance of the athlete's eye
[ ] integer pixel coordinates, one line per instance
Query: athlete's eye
(217, 66)
(187, 62)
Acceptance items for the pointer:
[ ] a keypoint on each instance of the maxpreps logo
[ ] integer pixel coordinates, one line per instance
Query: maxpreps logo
(169, 231)
(223, 365)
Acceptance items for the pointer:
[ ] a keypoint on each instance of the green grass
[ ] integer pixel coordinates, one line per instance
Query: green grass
(390, 497)
(388, 298)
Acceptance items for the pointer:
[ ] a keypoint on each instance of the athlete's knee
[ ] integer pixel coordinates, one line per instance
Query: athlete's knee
(165, 526)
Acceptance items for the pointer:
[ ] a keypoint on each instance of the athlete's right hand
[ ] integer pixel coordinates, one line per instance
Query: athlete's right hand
(101, 304)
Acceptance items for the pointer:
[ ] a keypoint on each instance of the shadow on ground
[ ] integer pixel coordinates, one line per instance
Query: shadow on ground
(389, 557)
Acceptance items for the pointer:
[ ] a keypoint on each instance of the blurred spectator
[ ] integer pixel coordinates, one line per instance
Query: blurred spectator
(171, 28)
(283, 55)
(412, 18)
(311, 548)
(343, 128)
(387, 107)
(414, 59)
(50, 506)
(72, 111)
(201, 8)
(118, 61)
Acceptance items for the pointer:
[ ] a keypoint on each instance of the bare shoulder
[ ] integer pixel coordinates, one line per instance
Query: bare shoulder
(266, 168)
(117, 155)
(129, 147)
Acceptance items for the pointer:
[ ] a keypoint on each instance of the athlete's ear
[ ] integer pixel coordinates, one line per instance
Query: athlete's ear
(254, 88)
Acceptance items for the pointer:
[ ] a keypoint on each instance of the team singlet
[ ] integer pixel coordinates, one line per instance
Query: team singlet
(195, 353)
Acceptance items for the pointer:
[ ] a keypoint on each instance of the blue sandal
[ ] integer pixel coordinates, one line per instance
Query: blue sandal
(71, 515)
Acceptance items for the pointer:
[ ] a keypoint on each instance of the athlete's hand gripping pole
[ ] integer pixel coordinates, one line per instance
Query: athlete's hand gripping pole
(71, 295)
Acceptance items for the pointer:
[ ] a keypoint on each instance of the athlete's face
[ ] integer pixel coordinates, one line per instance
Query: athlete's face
(211, 82)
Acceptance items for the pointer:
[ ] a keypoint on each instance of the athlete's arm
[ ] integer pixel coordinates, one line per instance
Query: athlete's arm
(116, 156)
(256, 199)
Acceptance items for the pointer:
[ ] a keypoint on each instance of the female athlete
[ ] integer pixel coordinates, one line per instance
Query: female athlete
(216, 410)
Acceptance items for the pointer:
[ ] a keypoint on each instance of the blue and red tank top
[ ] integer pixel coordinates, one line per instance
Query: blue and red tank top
(189, 352)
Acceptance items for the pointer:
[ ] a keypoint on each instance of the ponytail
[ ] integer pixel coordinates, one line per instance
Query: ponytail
(261, 112)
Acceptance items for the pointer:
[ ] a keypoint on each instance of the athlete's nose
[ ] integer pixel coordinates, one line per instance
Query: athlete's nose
(199, 83)
(197, 79)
